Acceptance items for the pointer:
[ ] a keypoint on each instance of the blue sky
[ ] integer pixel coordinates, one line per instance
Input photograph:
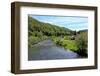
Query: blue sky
(71, 22)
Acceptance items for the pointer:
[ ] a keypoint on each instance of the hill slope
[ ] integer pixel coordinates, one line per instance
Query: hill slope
(47, 28)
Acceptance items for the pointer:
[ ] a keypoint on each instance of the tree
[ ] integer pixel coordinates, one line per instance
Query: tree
(81, 42)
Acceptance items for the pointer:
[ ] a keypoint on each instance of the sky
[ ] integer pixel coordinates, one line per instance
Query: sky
(72, 22)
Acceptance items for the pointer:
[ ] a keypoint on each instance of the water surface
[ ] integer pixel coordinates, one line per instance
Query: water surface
(48, 50)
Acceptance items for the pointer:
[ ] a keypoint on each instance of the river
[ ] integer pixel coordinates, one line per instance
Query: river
(48, 50)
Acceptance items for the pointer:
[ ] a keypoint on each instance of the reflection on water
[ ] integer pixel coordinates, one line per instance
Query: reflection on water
(47, 50)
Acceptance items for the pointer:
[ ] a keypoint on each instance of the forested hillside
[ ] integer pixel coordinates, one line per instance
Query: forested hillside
(47, 29)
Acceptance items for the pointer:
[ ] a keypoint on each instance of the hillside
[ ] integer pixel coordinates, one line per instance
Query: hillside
(83, 31)
(47, 28)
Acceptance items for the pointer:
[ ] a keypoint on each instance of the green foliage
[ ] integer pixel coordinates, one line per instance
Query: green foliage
(71, 45)
(46, 28)
(33, 40)
(81, 42)
(66, 37)
(66, 43)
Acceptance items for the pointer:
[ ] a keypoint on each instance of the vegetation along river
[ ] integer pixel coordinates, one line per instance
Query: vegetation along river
(48, 50)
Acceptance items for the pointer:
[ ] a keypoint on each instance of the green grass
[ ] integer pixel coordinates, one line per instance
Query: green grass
(70, 44)
(66, 43)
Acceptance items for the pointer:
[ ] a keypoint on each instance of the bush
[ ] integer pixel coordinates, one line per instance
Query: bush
(33, 40)
(81, 42)
(70, 44)
(66, 37)
(66, 43)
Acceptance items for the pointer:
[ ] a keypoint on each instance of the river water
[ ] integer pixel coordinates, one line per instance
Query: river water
(48, 50)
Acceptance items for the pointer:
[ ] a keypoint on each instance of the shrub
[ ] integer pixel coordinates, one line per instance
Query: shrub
(33, 40)
(81, 42)
(66, 37)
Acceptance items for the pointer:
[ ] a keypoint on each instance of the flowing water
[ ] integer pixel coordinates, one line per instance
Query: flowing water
(48, 50)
